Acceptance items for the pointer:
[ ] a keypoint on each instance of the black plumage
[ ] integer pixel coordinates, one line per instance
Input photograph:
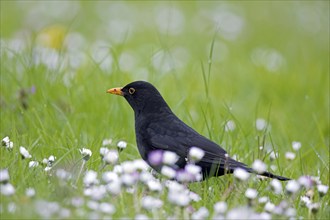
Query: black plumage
(158, 128)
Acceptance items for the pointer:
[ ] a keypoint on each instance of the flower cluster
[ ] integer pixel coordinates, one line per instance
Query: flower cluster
(151, 193)
(25, 154)
(6, 188)
(6, 142)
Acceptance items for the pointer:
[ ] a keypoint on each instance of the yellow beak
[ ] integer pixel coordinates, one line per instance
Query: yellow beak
(116, 91)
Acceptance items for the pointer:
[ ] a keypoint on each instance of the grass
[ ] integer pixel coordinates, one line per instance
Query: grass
(208, 74)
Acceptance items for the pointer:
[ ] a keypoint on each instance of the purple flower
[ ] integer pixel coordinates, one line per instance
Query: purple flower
(33, 89)
(155, 157)
(306, 181)
(184, 176)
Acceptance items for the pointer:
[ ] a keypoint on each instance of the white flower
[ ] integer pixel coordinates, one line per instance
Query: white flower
(33, 164)
(12, 207)
(292, 187)
(269, 207)
(154, 185)
(263, 199)
(261, 124)
(98, 192)
(10, 145)
(7, 143)
(194, 196)
(5, 140)
(107, 208)
(290, 212)
(146, 176)
(316, 179)
(141, 217)
(93, 205)
(201, 213)
(170, 157)
(296, 145)
(63, 175)
(184, 176)
(95, 192)
(241, 174)
(174, 186)
(50, 161)
(30, 192)
(46, 209)
(273, 156)
(118, 169)
(111, 157)
(45, 161)
(220, 207)
(290, 155)
(77, 201)
(276, 186)
(140, 165)
(107, 142)
(177, 194)
(230, 125)
(48, 169)
(64, 213)
(305, 200)
(323, 189)
(122, 145)
(251, 193)
(114, 187)
(259, 166)
(110, 176)
(7, 189)
(149, 203)
(195, 171)
(4, 176)
(238, 213)
(103, 151)
(128, 179)
(168, 172)
(86, 153)
(128, 167)
(178, 198)
(314, 207)
(25, 154)
(90, 178)
(306, 181)
(196, 154)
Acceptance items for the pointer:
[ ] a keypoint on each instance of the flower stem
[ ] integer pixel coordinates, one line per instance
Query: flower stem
(81, 168)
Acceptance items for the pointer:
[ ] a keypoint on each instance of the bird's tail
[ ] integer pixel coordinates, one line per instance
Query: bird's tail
(270, 175)
(267, 174)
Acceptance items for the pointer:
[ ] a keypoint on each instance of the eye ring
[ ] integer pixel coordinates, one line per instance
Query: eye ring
(131, 91)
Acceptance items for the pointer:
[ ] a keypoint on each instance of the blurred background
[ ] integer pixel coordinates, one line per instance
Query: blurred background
(213, 61)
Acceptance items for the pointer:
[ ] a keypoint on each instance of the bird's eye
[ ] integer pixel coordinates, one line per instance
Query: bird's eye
(131, 91)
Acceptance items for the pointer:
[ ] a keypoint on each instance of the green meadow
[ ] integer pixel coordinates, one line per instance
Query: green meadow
(253, 76)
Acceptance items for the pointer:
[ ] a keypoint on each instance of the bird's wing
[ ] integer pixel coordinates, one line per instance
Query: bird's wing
(179, 138)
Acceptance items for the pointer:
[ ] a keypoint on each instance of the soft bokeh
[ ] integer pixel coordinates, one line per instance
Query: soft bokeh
(251, 75)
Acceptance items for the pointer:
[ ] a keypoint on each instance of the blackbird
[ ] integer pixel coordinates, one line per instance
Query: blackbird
(158, 128)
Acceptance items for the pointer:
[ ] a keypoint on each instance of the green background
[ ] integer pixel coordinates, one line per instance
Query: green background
(213, 61)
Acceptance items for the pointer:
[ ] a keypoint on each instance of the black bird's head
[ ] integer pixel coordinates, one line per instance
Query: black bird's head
(142, 96)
